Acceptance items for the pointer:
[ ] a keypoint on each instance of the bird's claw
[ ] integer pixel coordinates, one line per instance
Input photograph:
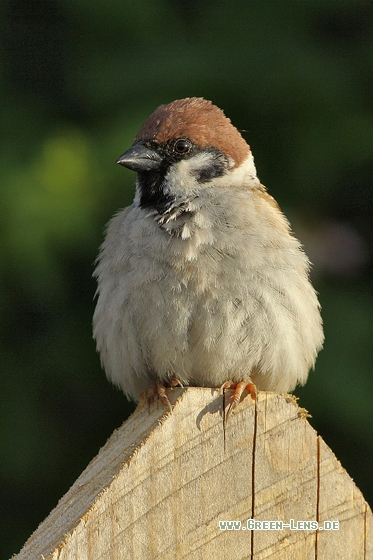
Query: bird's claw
(159, 389)
(239, 388)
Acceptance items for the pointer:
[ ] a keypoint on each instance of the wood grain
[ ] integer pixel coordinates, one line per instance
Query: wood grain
(162, 483)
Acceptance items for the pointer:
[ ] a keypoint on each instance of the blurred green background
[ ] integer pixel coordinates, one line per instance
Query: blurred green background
(78, 78)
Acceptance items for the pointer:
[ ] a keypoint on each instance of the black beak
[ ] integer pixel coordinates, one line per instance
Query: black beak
(140, 158)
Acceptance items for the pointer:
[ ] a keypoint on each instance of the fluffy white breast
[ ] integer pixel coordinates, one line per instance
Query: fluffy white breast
(223, 292)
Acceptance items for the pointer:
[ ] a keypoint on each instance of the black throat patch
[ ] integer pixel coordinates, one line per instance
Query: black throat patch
(152, 195)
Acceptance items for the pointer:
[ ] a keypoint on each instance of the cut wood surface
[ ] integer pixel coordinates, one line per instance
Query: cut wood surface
(163, 484)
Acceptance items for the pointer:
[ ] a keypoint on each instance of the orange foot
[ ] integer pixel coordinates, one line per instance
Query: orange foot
(239, 388)
(159, 390)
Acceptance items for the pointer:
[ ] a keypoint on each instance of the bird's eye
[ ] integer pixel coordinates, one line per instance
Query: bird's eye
(182, 146)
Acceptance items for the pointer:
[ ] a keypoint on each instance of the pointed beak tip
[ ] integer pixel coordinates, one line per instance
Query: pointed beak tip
(139, 158)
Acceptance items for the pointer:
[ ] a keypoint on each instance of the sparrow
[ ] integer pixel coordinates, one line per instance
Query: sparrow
(201, 281)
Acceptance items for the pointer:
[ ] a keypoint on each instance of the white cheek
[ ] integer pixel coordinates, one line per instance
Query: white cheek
(180, 180)
(181, 177)
(243, 175)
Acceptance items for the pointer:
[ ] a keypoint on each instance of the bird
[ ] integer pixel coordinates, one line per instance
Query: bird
(200, 281)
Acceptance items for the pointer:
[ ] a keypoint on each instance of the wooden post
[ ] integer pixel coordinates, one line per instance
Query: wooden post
(165, 485)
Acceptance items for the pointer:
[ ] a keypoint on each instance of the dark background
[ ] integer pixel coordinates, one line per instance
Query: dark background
(77, 80)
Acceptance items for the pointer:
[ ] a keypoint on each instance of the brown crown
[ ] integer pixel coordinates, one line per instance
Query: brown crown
(197, 119)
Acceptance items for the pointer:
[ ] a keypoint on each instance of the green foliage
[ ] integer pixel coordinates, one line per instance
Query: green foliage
(78, 79)
(50, 202)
